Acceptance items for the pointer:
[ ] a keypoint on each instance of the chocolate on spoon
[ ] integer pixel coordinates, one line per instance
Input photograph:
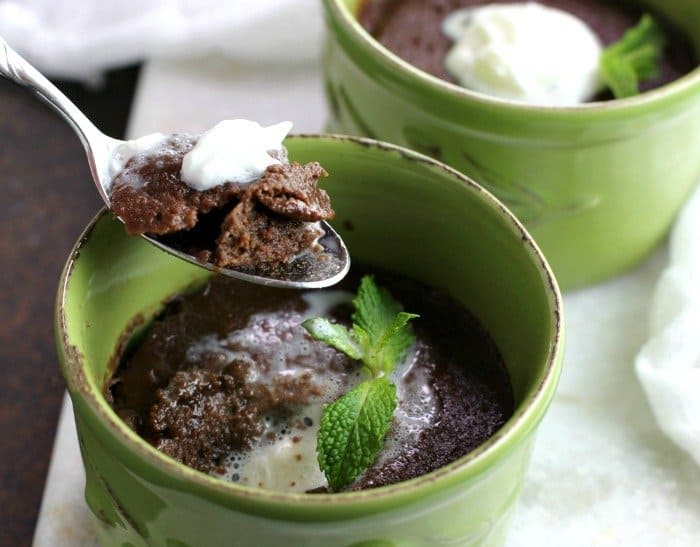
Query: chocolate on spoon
(318, 261)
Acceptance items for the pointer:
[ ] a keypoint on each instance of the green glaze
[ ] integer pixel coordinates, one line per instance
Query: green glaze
(597, 185)
(400, 211)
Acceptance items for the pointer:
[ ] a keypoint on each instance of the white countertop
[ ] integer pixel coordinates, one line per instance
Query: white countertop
(602, 473)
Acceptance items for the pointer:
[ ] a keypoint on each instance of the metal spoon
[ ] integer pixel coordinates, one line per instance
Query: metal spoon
(310, 270)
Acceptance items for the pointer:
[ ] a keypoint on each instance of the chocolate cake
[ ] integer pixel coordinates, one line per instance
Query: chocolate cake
(218, 365)
(412, 29)
(240, 226)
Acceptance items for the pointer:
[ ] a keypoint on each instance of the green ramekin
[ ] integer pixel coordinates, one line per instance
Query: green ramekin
(597, 185)
(399, 211)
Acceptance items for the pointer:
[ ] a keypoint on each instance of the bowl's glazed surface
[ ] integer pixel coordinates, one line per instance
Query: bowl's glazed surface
(597, 185)
(399, 211)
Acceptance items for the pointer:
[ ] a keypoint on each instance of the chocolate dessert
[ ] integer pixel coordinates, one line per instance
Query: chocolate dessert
(241, 226)
(228, 371)
(412, 29)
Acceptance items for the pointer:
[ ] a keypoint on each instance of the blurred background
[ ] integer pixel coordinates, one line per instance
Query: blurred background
(48, 197)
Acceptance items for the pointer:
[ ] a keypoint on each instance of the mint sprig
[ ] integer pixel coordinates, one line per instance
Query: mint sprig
(380, 332)
(353, 427)
(633, 58)
(353, 430)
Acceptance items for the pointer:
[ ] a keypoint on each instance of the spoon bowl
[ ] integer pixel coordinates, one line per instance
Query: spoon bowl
(305, 271)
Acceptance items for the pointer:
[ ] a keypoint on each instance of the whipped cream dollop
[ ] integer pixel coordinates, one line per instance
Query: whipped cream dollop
(233, 151)
(524, 52)
(128, 149)
(289, 464)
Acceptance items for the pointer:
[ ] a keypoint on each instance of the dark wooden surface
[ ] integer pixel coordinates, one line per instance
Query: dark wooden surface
(47, 196)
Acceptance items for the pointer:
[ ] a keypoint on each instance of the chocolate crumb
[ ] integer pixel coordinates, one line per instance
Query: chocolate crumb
(243, 226)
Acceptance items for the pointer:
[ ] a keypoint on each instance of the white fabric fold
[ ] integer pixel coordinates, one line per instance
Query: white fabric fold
(668, 365)
(81, 38)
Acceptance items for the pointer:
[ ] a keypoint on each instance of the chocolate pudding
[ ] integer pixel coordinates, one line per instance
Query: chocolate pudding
(412, 29)
(251, 227)
(225, 380)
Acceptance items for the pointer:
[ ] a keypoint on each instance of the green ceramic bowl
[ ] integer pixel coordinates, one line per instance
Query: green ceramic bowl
(597, 185)
(398, 210)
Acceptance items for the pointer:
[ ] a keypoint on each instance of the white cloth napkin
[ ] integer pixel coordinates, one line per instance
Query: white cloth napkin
(668, 365)
(80, 38)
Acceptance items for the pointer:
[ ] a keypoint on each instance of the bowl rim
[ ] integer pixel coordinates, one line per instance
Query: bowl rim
(324, 507)
(688, 83)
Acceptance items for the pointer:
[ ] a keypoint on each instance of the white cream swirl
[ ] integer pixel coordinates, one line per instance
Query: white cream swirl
(232, 151)
(524, 52)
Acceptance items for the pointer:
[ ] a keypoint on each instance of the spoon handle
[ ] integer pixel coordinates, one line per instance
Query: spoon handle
(14, 67)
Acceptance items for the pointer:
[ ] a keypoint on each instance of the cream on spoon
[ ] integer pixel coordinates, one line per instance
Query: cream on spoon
(107, 156)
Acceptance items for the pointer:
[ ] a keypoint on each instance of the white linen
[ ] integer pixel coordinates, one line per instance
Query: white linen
(81, 38)
(668, 366)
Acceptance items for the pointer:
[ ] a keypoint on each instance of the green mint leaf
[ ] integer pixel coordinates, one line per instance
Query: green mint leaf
(391, 347)
(633, 58)
(375, 309)
(620, 77)
(380, 334)
(381, 328)
(353, 429)
(334, 335)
